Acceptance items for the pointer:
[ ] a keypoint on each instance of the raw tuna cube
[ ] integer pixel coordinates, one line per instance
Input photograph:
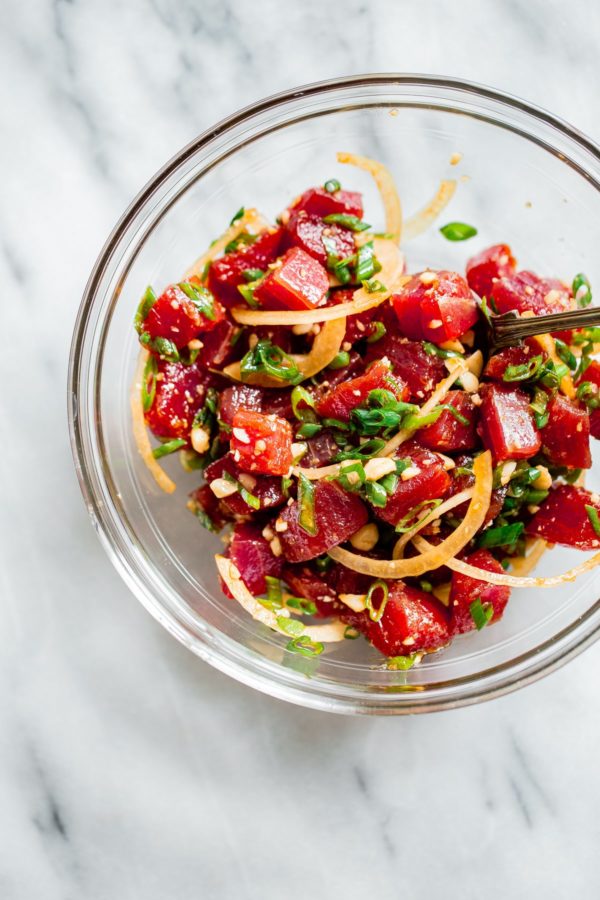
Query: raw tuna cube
(304, 580)
(526, 291)
(178, 318)
(217, 349)
(338, 515)
(506, 423)
(266, 488)
(339, 403)
(430, 482)
(563, 519)
(359, 326)
(261, 443)
(226, 273)
(463, 481)
(592, 374)
(466, 590)
(320, 449)
(244, 396)
(511, 356)
(330, 378)
(307, 233)
(448, 434)
(410, 362)
(205, 501)
(492, 263)
(566, 437)
(180, 392)
(253, 557)
(435, 306)
(300, 282)
(319, 202)
(412, 621)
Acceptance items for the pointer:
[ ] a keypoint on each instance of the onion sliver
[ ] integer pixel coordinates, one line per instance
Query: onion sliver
(392, 265)
(325, 348)
(434, 556)
(387, 188)
(140, 432)
(230, 574)
(429, 515)
(457, 565)
(251, 221)
(420, 222)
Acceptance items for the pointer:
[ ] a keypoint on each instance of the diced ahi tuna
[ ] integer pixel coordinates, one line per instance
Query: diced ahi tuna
(338, 515)
(300, 282)
(497, 364)
(428, 480)
(528, 292)
(465, 591)
(261, 443)
(506, 423)
(319, 202)
(305, 580)
(359, 326)
(562, 518)
(244, 396)
(320, 449)
(204, 500)
(226, 273)
(217, 348)
(435, 306)
(592, 375)
(566, 437)
(339, 403)
(175, 316)
(449, 434)
(180, 392)
(410, 362)
(311, 234)
(253, 557)
(412, 621)
(266, 488)
(492, 263)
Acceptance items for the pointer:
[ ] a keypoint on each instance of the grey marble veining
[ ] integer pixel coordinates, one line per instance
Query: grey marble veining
(128, 768)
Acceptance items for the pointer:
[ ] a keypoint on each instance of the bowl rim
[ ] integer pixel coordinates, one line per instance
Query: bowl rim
(471, 689)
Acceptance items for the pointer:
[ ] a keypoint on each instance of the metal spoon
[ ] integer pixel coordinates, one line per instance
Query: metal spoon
(508, 329)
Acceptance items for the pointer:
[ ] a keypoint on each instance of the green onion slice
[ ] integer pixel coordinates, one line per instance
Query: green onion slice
(306, 504)
(481, 613)
(458, 231)
(376, 613)
(352, 223)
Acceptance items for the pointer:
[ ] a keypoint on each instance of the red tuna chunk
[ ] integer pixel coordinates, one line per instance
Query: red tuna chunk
(506, 423)
(448, 434)
(244, 396)
(492, 263)
(566, 437)
(562, 518)
(338, 515)
(266, 488)
(178, 318)
(307, 232)
(226, 273)
(217, 349)
(465, 590)
(412, 621)
(319, 202)
(592, 375)
(320, 449)
(300, 282)
(526, 291)
(261, 443)
(204, 501)
(304, 580)
(252, 556)
(180, 392)
(431, 483)
(339, 403)
(410, 362)
(359, 326)
(435, 306)
(511, 356)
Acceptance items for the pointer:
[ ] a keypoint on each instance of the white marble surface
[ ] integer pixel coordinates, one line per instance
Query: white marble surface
(128, 768)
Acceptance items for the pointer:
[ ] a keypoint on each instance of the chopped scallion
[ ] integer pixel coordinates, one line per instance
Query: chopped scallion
(458, 231)
(352, 223)
(481, 613)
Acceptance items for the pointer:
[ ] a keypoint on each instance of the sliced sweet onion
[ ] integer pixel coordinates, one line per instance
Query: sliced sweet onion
(140, 431)
(325, 348)
(523, 565)
(546, 342)
(251, 221)
(328, 633)
(392, 266)
(427, 516)
(421, 221)
(386, 186)
(458, 565)
(438, 395)
(433, 557)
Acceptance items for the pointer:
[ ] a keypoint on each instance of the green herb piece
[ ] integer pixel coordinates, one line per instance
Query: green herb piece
(305, 646)
(553, 373)
(412, 516)
(149, 382)
(402, 663)
(535, 497)
(304, 606)
(336, 423)
(247, 292)
(252, 274)
(376, 494)
(376, 613)
(168, 447)
(588, 393)
(364, 451)
(301, 396)
(373, 286)
(458, 231)
(366, 263)
(582, 290)
(456, 414)
(241, 240)
(351, 633)
(203, 517)
(163, 346)
(323, 563)
(528, 371)
(274, 594)
(425, 586)
(306, 504)
(237, 216)
(340, 361)
(389, 483)
(309, 429)
(352, 223)
(379, 331)
(146, 304)
(354, 483)
(290, 626)
(567, 356)
(594, 518)
(267, 358)
(205, 270)
(481, 613)
(252, 501)
(502, 536)
(286, 484)
(539, 407)
(332, 185)
(201, 297)
(434, 350)
(206, 415)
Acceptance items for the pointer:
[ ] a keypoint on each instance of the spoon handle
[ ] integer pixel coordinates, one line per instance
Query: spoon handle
(508, 329)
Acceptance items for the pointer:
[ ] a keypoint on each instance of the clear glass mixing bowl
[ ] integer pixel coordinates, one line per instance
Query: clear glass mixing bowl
(525, 177)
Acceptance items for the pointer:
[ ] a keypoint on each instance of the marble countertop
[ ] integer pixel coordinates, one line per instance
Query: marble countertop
(128, 768)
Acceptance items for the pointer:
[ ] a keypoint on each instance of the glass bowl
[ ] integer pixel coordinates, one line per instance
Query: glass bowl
(525, 177)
